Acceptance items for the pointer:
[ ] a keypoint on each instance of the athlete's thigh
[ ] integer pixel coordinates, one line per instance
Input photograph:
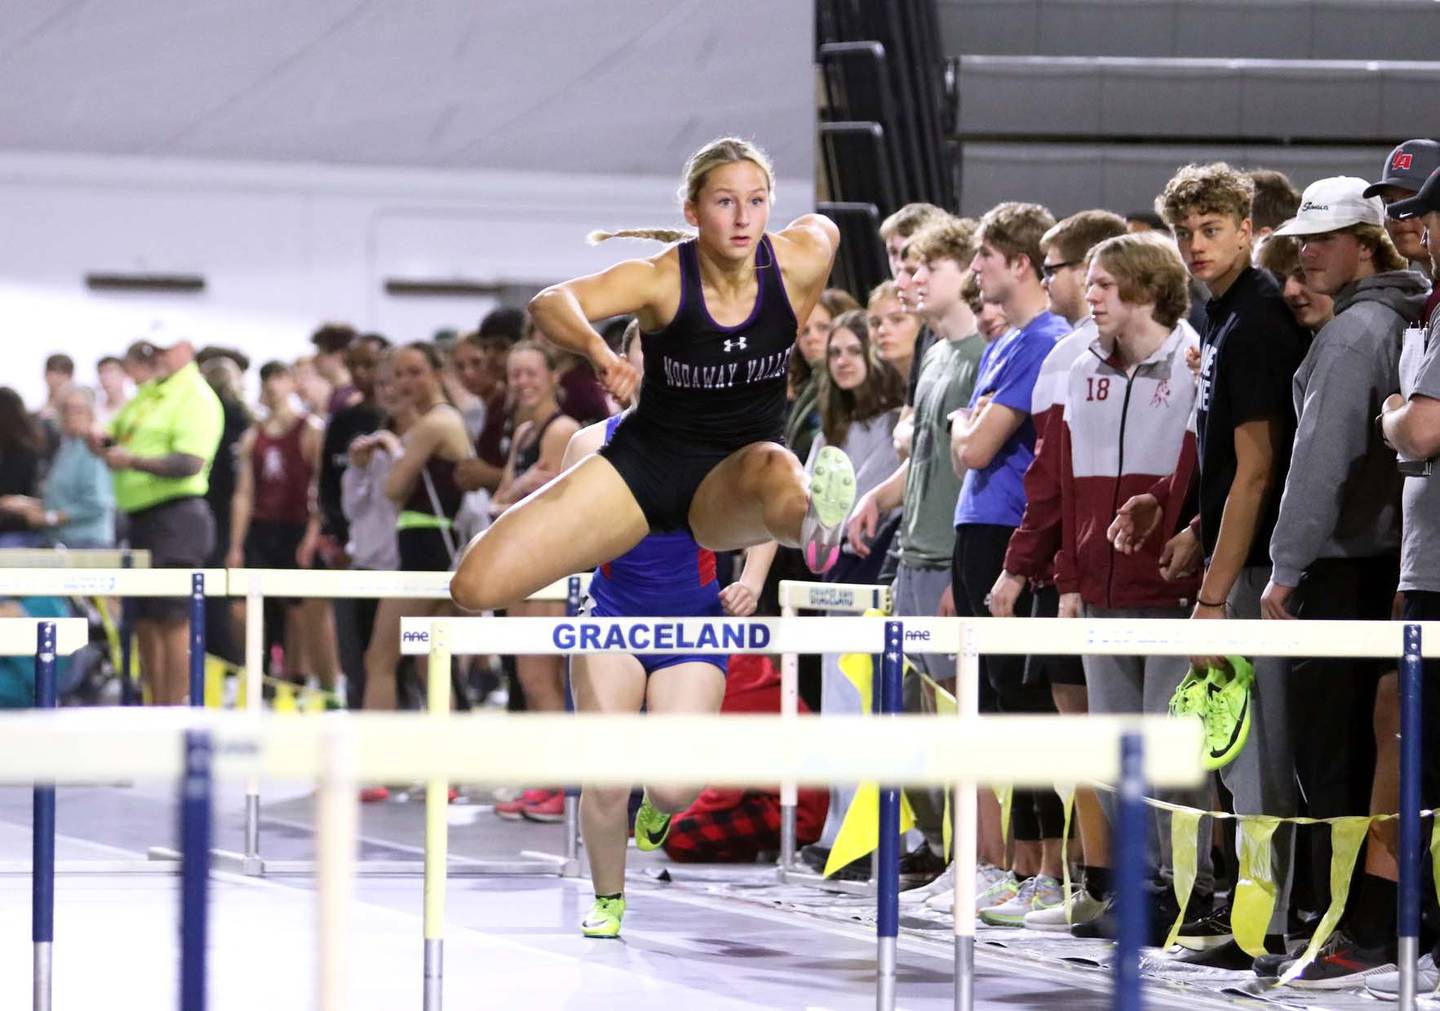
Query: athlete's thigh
(607, 683)
(727, 512)
(584, 517)
(690, 687)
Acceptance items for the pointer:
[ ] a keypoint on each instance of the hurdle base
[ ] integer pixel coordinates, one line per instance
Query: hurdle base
(10, 868)
(535, 864)
(565, 867)
(795, 876)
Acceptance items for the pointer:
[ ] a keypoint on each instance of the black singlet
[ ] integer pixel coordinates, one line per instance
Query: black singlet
(707, 391)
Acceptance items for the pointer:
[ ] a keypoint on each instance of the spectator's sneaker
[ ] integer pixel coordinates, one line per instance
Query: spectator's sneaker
(920, 866)
(1269, 966)
(1342, 964)
(1039, 892)
(1230, 955)
(992, 887)
(832, 493)
(374, 794)
(1220, 699)
(917, 896)
(549, 809)
(1081, 906)
(651, 826)
(1386, 985)
(1206, 932)
(512, 810)
(604, 917)
(814, 857)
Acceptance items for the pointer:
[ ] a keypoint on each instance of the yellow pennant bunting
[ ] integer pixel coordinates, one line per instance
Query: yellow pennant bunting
(1255, 887)
(1184, 855)
(1346, 835)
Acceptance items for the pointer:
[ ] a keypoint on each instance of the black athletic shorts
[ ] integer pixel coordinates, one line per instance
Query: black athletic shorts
(423, 550)
(273, 546)
(661, 473)
(179, 534)
(1051, 668)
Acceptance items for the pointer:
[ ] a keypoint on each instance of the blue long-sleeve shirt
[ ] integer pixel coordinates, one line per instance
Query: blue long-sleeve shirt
(80, 486)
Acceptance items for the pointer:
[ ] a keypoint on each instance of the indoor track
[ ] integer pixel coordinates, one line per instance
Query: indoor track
(711, 938)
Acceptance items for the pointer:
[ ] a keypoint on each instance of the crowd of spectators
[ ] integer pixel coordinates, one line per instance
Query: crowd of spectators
(1224, 407)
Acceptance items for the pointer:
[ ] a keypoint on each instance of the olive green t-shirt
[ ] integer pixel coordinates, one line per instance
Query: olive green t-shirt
(178, 414)
(947, 378)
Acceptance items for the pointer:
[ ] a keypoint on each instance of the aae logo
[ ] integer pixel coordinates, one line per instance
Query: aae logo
(918, 634)
(414, 636)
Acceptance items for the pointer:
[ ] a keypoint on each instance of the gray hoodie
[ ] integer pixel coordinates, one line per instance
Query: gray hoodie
(1342, 496)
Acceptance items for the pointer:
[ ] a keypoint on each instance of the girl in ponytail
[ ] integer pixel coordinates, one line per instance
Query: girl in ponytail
(700, 451)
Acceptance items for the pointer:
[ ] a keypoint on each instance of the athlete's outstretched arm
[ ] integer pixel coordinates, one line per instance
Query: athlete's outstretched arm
(563, 312)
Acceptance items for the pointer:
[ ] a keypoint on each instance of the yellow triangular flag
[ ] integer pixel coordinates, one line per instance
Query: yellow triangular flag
(860, 831)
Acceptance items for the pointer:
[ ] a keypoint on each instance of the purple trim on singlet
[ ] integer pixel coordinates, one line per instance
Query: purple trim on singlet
(694, 265)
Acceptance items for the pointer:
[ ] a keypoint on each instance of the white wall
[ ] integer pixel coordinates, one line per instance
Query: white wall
(284, 246)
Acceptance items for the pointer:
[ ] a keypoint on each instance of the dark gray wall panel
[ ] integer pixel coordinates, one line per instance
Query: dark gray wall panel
(1071, 177)
(1274, 29)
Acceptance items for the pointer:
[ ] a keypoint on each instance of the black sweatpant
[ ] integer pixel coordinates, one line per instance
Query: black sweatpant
(978, 560)
(1333, 698)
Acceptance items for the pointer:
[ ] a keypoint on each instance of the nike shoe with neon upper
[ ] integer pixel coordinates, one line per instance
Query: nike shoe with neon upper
(832, 493)
(651, 826)
(604, 917)
(1220, 699)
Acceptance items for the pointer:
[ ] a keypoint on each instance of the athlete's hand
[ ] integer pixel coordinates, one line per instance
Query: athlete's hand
(1203, 612)
(864, 521)
(947, 603)
(739, 600)
(1004, 594)
(1136, 520)
(618, 377)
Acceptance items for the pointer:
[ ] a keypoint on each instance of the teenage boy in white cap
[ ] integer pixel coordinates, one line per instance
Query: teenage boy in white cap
(1335, 549)
(1406, 170)
(1410, 421)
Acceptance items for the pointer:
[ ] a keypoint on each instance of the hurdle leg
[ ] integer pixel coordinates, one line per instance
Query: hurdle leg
(197, 641)
(338, 813)
(789, 794)
(887, 890)
(196, 805)
(254, 704)
(1408, 905)
(42, 873)
(129, 691)
(1133, 907)
(965, 830)
(437, 839)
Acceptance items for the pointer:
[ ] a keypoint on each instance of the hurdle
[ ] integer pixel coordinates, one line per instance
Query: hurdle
(255, 585)
(1183, 637)
(45, 639)
(830, 598)
(449, 636)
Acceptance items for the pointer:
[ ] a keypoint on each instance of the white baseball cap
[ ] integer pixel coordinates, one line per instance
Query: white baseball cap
(1334, 203)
